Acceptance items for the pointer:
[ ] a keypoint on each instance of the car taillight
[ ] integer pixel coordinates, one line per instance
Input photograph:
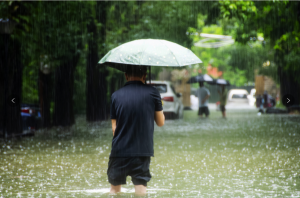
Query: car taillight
(27, 111)
(169, 99)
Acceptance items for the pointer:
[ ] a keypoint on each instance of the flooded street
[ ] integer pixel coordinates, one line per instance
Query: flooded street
(67, 68)
(244, 156)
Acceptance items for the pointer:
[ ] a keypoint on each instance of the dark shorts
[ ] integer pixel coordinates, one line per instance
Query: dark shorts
(203, 110)
(222, 107)
(136, 167)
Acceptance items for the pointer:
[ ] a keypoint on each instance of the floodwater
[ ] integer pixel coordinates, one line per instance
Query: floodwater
(244, 156)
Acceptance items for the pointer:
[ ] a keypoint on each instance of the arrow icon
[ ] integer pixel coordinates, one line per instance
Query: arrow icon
(13, 100)
(288, 100)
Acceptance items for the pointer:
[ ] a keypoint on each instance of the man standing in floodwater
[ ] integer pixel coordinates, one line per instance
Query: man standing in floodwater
(223, 99)
(203, 94)
(134, 108)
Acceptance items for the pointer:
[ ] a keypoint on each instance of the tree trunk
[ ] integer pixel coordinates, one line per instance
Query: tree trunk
(288, 85)
(96, 107)
(63, 97)
(44, 97)
(11, 73)
(112, 85)
(288, 79)
(93, 85)
(4, 43)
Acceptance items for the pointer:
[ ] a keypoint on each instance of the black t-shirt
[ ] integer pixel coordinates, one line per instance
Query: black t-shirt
(134, 106)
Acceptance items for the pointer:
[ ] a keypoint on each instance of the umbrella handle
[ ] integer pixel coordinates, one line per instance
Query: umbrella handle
(149, 74)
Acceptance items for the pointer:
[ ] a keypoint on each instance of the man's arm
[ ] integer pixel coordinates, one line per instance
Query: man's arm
(159, 118)
(113, 125)
(207, 96)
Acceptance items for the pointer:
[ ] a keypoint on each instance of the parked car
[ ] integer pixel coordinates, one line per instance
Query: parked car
(172, 105)
(31, 117)
(238, 96)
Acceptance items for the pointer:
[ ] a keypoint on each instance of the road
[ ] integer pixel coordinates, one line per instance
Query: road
(245, 155)
(229, 106)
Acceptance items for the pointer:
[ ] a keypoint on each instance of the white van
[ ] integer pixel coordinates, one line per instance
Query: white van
(238, 96)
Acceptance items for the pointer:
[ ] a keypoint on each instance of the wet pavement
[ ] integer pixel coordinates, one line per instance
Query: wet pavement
(245, 155)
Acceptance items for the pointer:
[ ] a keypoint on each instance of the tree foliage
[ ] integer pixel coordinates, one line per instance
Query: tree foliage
(277, 21)
(54, 33)
(237, 62)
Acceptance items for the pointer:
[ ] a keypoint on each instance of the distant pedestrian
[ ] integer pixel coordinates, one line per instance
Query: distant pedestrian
(203, 95)
(223, 99)
(260, 103)
(134, 108)
(258, 100)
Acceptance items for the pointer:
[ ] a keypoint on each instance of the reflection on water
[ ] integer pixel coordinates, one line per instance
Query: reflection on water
(246, 155)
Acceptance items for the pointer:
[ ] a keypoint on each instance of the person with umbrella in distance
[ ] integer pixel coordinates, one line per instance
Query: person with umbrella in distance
(223, 99)
(203, 95)
(134, 108)
(223, 95)
(202, 92)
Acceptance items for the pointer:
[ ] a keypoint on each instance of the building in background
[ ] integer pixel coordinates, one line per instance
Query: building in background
(265, 83)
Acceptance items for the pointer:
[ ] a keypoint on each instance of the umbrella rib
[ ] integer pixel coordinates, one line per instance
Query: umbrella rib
(142, 53)
(172, 53)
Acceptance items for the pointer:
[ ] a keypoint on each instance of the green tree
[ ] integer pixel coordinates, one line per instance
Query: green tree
(59, 34)
(278, 22)
(15, 20)
(237, 62)
(50, 33)
(96, 87)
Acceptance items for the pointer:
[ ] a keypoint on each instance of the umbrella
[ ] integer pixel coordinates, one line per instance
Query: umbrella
(200, 78)
(222, 82)
(149, 52)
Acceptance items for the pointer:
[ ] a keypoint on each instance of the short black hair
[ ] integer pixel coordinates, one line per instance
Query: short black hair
(136, 70)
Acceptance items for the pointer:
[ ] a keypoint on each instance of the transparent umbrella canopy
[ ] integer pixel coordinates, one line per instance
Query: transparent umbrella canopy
(149, 52)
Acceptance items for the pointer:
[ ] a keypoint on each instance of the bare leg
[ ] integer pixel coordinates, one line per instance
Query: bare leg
(224, 114)
(115, 189)
(140, 190)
